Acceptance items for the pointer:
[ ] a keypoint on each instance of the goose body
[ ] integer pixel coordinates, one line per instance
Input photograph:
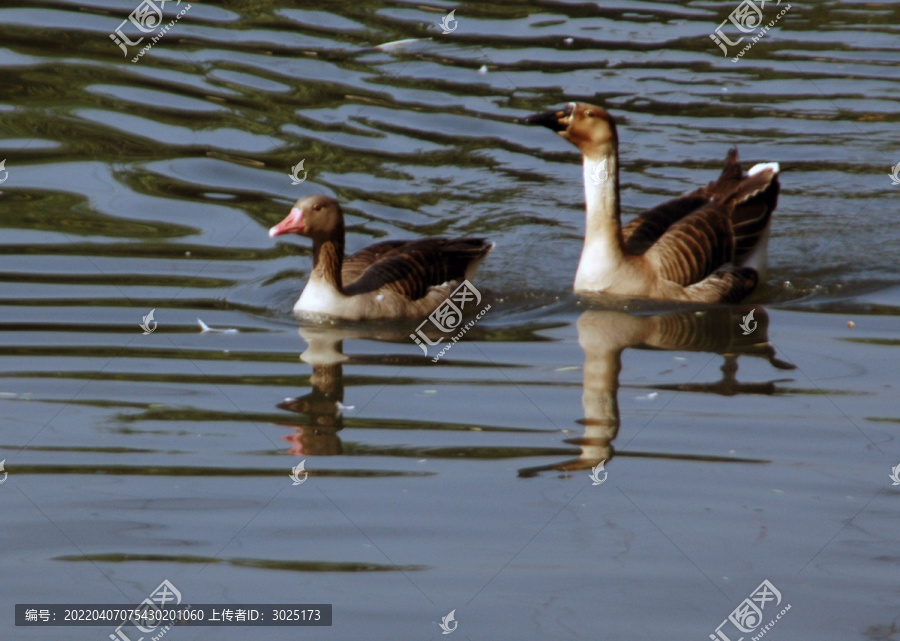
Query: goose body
(706, 246)
(396, 279)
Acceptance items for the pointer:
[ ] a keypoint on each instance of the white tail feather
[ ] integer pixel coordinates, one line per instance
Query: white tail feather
(763, 166)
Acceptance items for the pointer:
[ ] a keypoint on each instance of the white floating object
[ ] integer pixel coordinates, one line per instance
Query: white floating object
(569, 41)
(483, 69)
(341, 407)
(647, 397)
(399, 43)
(204, 328)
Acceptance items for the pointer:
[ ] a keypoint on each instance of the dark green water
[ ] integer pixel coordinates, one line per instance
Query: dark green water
(463, 485)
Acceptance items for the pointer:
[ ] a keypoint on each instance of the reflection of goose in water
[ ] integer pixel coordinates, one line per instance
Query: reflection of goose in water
(323, 408)
(604, 335)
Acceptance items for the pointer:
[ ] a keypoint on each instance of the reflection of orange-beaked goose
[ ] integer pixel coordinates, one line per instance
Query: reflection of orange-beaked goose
(706, 246)
(396, 279)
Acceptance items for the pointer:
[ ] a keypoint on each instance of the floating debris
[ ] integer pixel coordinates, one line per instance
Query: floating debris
(395, 44)
(14, 396)
(204, 328)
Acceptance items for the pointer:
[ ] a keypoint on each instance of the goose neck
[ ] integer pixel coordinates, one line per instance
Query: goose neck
(328, 258)
(601, 191)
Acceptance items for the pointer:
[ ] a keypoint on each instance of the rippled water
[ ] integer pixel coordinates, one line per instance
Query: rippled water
(463, 485)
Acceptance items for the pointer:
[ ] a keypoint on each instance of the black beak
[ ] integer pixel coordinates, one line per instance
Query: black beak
(555, 120)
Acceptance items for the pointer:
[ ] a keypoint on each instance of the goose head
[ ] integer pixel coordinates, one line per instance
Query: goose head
(314, 216)
(588, 127)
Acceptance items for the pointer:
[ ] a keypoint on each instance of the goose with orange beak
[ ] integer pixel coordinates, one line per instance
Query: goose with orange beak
(395, 279)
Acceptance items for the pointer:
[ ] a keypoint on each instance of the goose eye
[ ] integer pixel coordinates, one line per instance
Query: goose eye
(589, 113)
(317, 207)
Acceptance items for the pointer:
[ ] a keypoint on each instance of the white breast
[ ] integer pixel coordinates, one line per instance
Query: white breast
(320, 298)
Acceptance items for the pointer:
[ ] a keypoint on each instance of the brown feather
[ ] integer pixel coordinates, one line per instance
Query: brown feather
(750, 201)
(355, 264)
(415, 266)
(753, 203)
(647, 227)
(694, 247)
(727, 285)
(716, 224)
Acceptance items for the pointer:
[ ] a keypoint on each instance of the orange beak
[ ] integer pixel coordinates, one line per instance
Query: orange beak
(293, 224)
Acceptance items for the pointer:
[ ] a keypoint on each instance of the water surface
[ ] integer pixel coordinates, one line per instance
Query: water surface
(463, 485)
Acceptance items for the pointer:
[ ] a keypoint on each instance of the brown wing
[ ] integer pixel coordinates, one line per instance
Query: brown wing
(729, 180)
(355, 265)
(647, 228)
(413, 267)
(727, 285)
(690, 238)
(695, 246)
(753, 203)
(750, 199)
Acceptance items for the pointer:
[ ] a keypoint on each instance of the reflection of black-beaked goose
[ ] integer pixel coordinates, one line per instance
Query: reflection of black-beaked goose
(706, 246)
(396, 279)
(604, 335)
